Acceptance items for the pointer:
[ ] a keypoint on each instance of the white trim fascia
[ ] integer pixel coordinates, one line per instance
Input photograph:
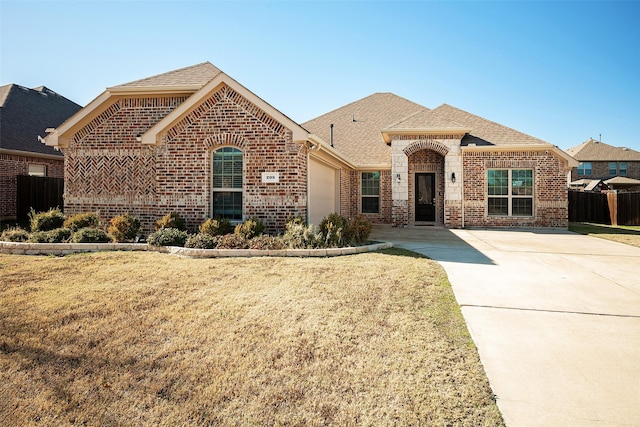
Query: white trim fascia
(364, 168)
(31, 154)
(386, 133)
(571, 162)
(53, 138)
(151, 136)
(318, 144)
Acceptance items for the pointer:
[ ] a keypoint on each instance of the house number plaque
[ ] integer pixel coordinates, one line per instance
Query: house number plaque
(270, 177)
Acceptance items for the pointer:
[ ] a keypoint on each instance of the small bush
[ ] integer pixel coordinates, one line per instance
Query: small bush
(202, 241)
(299, 236)
(59, 235)
(168, 237)
(232, 241)
(250, 228)
(90, 235)
(332, 230)
(124, 228)
(15, 234)
(82, 220)
(45, 221)
(358, 230)
(296, 219)
(266, 242)
(217, 227)
(171, 220)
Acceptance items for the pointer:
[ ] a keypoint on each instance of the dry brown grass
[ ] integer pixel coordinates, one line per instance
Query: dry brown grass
(151, 339)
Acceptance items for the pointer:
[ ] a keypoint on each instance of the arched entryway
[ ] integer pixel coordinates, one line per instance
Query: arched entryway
(426, 187)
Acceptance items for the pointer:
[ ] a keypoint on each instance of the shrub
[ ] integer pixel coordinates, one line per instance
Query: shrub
(332, 229)
(250, 228)
(296, 219)
(124, 228)
(82, 220)
(358, 230)
(45, 221)
(216, 227)
(59, 235)
(202, 241)
(91, 235)
(171, 220)
(232, 241)
(168, 237)
(299, 236)
(15, 234)
(266, 242)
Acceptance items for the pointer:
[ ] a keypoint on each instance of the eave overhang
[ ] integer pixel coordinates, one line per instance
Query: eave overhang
(571, 162)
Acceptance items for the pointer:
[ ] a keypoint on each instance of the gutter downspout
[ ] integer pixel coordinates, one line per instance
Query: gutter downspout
(462, 183)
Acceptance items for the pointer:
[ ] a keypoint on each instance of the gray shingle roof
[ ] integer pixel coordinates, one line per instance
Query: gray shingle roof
(357, 126)
(199, 74)
(26, 113)
(596, 151)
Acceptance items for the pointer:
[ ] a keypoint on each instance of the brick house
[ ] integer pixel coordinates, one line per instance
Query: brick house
(600, 161)
(196, 141)
(25, 114)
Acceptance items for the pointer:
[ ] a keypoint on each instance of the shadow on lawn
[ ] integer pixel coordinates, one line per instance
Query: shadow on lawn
(589, 228)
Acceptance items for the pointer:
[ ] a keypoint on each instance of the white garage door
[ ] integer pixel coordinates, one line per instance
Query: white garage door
(323, 191)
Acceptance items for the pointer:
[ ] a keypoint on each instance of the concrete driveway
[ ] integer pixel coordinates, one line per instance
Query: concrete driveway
(555, 317)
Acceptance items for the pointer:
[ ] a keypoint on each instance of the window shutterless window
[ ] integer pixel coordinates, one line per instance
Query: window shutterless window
(613, 168)
(510, 192)
(622, 170)
(585, 168)
(227, 183)
(370, 191)
(37, 170)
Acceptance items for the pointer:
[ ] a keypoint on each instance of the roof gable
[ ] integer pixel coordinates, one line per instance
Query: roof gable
(485, 130)
(357, 126)
(593, 150)
(27, 113)
(195, 75)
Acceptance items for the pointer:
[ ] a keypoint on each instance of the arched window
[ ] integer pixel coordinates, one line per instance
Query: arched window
(227, 183)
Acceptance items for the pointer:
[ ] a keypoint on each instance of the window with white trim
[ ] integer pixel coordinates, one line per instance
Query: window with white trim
(510, 192)
(227, 183)
(370, 182)
(585, 168)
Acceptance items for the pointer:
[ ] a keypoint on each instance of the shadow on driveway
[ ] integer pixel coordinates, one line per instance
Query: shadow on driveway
(436, 243)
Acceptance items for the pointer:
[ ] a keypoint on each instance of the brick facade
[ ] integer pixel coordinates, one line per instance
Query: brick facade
(109, 171)
(550, 201)
(12, 165)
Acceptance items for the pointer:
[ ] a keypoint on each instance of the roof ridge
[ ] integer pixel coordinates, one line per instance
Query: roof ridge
(170, 73)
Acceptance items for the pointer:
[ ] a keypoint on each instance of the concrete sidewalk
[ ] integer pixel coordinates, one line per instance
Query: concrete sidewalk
(555, 316)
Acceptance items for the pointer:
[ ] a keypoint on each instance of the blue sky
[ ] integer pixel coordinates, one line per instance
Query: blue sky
(560, 71)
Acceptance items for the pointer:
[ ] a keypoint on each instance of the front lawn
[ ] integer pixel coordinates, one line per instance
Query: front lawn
(136, 338)
(627, 234)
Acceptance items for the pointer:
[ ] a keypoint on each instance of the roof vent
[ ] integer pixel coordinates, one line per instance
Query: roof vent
(625, 149)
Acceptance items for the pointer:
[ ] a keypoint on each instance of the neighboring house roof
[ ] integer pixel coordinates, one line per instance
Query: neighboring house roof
(622, 180)
(596, 151)
(196, 75)
(26, 113)
(357, 126)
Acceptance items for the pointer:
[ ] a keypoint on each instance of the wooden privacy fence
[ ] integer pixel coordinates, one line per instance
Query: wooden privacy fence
(609, 208)
(39, 193)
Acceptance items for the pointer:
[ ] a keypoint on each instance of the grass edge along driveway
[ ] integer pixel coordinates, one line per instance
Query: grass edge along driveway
(134, 338)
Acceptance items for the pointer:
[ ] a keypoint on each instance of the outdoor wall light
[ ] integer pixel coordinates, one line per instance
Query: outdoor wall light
(453, 177)
(398, 178)
(139, 137)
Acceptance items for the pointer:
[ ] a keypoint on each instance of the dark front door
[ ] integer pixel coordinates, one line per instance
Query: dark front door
(425, 193)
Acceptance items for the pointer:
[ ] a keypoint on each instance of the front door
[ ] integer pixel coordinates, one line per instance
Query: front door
(425, 194)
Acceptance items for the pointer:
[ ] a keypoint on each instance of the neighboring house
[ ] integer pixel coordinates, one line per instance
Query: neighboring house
(598, 160)
(197, 142)
(24, 115)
